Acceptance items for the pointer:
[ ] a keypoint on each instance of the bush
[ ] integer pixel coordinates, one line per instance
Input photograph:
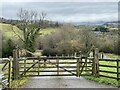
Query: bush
(101, 29)
(68, 40)
(8, 47)
(65, 41)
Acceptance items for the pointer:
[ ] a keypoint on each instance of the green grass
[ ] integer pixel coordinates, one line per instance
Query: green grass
(105, 80)
(8, 32)
(16, 84)
(113, 56)
(48, 31)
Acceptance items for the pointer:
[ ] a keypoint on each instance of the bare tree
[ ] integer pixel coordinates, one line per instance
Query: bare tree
(31, 24)
(0, 43)
(88, 38)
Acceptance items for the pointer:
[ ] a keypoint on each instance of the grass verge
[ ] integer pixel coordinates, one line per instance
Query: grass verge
(103, 80)
(16, 84)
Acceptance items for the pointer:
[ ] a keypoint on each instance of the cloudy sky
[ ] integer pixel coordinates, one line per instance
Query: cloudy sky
(66, 11)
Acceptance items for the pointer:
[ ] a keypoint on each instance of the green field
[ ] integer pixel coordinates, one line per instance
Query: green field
(48, 31)
(7, 30)
(105, 80)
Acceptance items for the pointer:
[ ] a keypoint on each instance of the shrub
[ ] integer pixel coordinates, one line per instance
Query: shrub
(64, 41)
(8, 47)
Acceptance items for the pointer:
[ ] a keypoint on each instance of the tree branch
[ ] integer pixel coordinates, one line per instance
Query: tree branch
(17, 34)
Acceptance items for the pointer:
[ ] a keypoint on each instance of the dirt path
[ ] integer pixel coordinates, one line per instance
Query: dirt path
(63, 82)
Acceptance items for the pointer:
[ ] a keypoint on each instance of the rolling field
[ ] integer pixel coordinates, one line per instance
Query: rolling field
(7, 31)
(48, 31)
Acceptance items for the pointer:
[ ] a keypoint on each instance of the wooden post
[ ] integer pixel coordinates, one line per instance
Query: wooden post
(75, 54)
(17, 49)
(15, 65)
(86, 61)
(49, 57)
(25, 66)
(102, 55)
(38, 65)
(45, 62)
(62, 55)
(118, 71)
(21, 52)
(68, 55)
(80, 62)
(57, 60)
(78, 68)
(95, 67)
(9, 72)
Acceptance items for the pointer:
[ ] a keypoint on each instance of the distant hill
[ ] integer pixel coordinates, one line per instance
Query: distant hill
(112, 23)
(48, 23)
(90, 23)
(97, 23)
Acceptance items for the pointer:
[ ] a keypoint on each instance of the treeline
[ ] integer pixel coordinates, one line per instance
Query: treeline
(19, 22)
(68, 40)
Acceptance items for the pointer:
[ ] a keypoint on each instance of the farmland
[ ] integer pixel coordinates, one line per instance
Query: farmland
(8, 30)
(9, 34)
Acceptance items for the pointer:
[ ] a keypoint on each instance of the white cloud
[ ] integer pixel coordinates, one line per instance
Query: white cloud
(86, 17)
(67, 12)
(59, 1)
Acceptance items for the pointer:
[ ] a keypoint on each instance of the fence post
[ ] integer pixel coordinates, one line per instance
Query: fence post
(62, 55)
(75, 54)
(96, 62)
(45, 62)
(9, 72)
(57, 60)
(118, 71)
(78, 68)
(15, 65)
(39, 65)
(18, 51)
(102, 55)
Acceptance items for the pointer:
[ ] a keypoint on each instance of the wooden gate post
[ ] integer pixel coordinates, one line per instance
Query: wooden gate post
(39, 58)
(118, 71)
(9, 72)
(75, 54)
(45, 60)
(78, 68)
(95, 67)
(15, 65)
(57, 60)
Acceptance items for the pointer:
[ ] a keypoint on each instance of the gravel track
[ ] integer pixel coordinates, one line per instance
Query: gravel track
(63, 82)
